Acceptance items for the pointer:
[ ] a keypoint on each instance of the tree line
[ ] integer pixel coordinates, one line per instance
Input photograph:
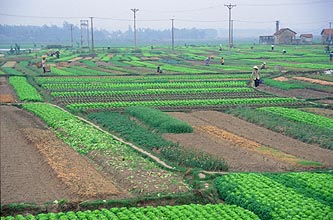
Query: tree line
(44, 35)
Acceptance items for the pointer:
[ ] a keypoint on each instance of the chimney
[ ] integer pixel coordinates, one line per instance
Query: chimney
(277, 26)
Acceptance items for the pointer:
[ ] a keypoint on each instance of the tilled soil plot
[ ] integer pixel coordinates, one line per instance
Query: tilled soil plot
(242, 158)
(25, 177)
(37, 167)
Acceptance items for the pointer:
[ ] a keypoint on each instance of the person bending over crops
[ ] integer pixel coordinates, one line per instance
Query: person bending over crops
(256, 76)
(263, 66)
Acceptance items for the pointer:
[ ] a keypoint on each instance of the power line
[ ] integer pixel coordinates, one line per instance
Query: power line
(210, 21)
(44, 17)
(289, 3)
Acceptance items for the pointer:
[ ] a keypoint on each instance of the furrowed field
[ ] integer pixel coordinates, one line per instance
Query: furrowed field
(104, 136)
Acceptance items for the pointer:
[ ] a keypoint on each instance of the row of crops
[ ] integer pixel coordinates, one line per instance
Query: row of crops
(199, 91)
(280, 196)
(184, 212)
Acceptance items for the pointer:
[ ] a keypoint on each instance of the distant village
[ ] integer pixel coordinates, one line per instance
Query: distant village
(288, 36)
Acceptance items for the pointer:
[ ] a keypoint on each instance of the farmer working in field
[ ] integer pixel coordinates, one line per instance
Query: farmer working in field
(263, 66)
(44, 64)
(207, 61)
(256, 76)
(222, 61)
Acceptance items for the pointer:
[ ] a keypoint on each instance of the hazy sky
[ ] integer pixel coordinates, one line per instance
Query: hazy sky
(302, 16)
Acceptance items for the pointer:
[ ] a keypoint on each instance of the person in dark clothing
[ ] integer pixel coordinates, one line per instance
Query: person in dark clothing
(159, 69)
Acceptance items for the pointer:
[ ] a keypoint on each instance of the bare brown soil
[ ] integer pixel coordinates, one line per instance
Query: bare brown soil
(7, 94)
(317, 81)
(25, 176)
(71, 168)
(9, 64)
(37, 167)
(241, 158)
(281, 79)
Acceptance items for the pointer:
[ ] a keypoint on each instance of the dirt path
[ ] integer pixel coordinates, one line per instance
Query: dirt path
(240, 159)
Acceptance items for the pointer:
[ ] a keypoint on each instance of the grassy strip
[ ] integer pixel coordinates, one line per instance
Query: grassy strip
(142, 137)
(160, 120)
(283, 85)
(300, 116)
(129, 130)
(302, 131)
(24, 90)
(296, 84)
(12, 71)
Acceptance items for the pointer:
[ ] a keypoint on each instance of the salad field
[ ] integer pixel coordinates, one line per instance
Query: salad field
(194, 142)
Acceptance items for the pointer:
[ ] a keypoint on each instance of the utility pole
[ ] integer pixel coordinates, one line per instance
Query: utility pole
(134, 11)
(230, 6)
(330, 31)
(71, 35)
(172, 34)
(92, 35)
(232, 33)
(84, 24)
(88, 41)
(277, 26)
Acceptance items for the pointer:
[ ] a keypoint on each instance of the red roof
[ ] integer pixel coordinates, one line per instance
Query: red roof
(307, 35)
(283, 30)
(327, 32)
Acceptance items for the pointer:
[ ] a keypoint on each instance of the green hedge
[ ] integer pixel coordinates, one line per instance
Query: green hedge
(160, 120)
(128, 129)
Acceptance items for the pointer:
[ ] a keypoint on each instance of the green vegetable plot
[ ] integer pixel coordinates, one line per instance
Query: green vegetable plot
(168, 103)
(24, 90)
(184, 212)
(301, 116)
(97, 86)
(160, 120)
(270, 199)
